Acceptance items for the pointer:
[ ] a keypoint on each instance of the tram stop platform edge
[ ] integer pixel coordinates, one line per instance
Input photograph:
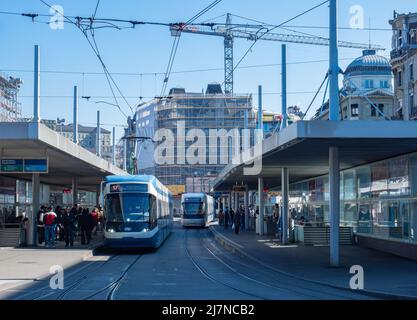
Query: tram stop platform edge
(386, 276)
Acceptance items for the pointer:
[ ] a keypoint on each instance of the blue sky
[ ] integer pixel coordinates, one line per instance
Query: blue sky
(146, 48)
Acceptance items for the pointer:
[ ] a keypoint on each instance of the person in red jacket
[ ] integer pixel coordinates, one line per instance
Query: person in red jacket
(49, 219)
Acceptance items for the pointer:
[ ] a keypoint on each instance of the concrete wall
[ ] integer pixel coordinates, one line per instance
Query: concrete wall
(402, 249)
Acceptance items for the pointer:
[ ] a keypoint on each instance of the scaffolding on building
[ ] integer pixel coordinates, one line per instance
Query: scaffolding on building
(210, 111)
(10, 108)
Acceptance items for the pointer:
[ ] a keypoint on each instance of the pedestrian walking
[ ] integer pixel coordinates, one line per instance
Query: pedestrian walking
(86, 223)
(226, 217)
(60, 228)
(68, 222)
(221, 217)
(95, 219)
(232, 216)
(49, 220)
(237, 218)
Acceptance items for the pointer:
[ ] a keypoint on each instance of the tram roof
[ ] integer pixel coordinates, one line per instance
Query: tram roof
(130, 178)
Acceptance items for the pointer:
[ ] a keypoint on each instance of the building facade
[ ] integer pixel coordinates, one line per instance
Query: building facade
(404, 64)
(185, 115)
(367, 92)
(87, 138)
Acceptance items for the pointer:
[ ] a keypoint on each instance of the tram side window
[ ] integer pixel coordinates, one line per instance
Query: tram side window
(153, 218)
(165, 210)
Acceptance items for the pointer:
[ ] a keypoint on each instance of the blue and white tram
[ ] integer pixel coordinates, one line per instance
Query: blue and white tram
(197, 209)
(137, 211)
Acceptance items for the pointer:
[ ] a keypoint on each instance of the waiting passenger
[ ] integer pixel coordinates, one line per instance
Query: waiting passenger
(40, 224)
(237, 220)
(49, 220)
(226, 217)
(86, 224)
(68, 222)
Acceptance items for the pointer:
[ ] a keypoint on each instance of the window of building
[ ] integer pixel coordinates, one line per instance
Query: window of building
(354, 110)
(411, 72)
(375, 113)
(381, 109)
(384, 84)
(369, 84)
(400, 38)
(400, 78)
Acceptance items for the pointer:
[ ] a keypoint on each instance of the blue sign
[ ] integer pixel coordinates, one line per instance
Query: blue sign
(36, 165)
(24, 165)
(11, 165)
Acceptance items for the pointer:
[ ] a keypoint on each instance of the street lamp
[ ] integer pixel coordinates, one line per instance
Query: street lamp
(105, 102)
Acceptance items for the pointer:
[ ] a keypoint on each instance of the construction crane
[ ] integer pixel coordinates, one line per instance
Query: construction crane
(229, 32)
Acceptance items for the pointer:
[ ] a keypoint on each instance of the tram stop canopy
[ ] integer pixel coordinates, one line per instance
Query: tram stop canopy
(303, 148)
(308, 149)
(32, 151)
(66, 160)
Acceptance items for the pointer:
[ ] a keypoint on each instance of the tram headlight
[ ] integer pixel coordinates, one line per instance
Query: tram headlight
(111, 230)
(145, 230)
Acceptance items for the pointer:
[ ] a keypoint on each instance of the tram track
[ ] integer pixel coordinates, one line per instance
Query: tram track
(209, 276)
(73, 273)
(77, 282)
(114, 286)
(227, 261)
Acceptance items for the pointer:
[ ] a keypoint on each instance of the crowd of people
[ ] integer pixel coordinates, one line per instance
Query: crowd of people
(236, 219)
(231, 218)
(66, 224)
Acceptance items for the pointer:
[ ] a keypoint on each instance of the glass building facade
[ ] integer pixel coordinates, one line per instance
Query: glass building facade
(377, 199)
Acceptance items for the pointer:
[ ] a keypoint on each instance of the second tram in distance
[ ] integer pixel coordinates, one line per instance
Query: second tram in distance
(198, 209)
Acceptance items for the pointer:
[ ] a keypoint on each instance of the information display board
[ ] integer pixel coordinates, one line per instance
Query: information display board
(29, 165)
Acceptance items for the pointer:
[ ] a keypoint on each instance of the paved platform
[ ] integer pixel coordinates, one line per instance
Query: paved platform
(385, 275)
(26, 265)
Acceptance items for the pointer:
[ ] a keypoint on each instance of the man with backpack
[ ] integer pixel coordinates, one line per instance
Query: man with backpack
(49, 220)
(40, 225)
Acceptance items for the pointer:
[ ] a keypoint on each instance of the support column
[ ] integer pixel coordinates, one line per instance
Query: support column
(261, 205)
(260, 125)
(74, 191)
(230, 200)
(334, 185)
(113, 158)
(284, 214)
(124, 154)
(37, 85)
(284, 86)
(246, 200)
(98, 135)
(75, 115)
(334, 104)
(98, 191)
(31, 229)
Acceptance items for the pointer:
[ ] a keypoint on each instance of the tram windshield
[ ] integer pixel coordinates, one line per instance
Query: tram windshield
(128, 207)
(193, 208)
